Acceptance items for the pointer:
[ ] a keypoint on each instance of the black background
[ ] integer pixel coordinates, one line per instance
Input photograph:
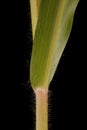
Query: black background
(67, 89)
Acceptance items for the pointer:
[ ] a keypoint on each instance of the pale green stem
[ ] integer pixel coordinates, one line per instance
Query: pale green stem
(41, 109)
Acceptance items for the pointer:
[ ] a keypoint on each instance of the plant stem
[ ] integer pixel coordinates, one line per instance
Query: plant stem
(41, 109)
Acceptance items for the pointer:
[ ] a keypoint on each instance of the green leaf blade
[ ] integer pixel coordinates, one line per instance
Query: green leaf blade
(51, 35)
(35, 4)
(63, 34)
